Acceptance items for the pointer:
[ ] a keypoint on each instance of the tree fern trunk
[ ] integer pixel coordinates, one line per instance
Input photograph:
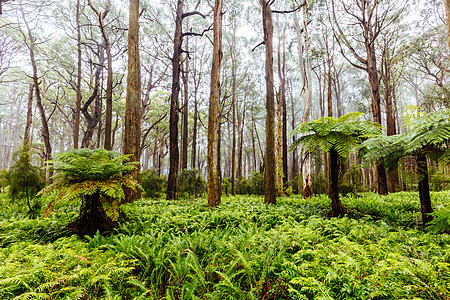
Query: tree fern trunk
(91, 218)
(424, 190)
(337, 208)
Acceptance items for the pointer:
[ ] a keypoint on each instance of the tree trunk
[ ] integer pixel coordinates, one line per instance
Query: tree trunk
(76, 133)
(279, 147)
(91, 218)
(109, 87)
(109, 81)
(294, 169)
(392, 177)
(214, 186)
(424, 190)
(194, 133)
(26, 136)
(447, 13)
(376, 107)
(270, 196)
(93, 120)
(45, 132)
(132, 135)
(305, 70)
(282, 107)
(337, 208)
(172, 182)
(233, 108)
(240, 143)
(185, 136)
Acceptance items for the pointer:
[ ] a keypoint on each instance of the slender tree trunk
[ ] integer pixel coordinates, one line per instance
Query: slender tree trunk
(233, 107)
(270, 196)
(424, 190)
(305, 70)
(93, 120)
(376, 108)
(194, 133)
(294, 170)
(447, 13)
(214, 186)
(279, 147)
(337, 208)
(282, 76)
(240, 143)
(172, 182)
(132, 136)
(109, 80)
(26, 136)
(185, 136)
(392, 177)
(76, 133)
(109, 87)
(45, 132)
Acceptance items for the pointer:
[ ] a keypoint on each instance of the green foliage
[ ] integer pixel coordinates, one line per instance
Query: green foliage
(241, 250)
(25, 180)
(191, 182)
(152, 183)
(351, 182)
(440, 222)
(81, 173)
(428, 135)
(3, 179)
(342, 134)
(254, 185)
(320, 184)
(226, 184)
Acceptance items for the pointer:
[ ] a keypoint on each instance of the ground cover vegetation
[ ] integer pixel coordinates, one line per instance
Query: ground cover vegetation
(243, 249)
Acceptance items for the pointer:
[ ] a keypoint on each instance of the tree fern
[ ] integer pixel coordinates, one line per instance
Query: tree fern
(337, 137)
(428, 135)
(91, 176)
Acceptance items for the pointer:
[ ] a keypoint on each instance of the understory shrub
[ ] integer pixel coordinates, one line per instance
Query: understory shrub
(254, 185)
(25, 181)
(153, 184)
(190, 182)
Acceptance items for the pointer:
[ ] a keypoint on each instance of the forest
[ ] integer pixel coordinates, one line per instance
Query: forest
(189, 149)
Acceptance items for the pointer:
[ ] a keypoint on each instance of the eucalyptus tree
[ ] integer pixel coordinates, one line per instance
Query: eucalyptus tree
(372, 18)
(30, 42)
(172, 183)
(428, 55)
(102, 24)
(214, 184)
(132, 134)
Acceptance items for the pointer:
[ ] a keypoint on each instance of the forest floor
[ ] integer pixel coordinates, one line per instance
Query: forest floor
(242, 249)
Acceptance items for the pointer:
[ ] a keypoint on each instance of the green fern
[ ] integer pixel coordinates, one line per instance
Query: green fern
(86, 175)
(341, 134)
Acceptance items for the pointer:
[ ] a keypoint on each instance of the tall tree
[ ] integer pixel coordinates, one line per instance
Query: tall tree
(306, 91)
(172, 182)
(270, 196)
(185, 134)
(132, 134)
(233, 108)
(372, 17)
(30, 42)
(109, 81)
(447, 13)
(76, 133)
(214, 185)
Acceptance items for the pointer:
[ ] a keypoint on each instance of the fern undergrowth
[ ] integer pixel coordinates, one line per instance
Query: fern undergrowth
(242, 249)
